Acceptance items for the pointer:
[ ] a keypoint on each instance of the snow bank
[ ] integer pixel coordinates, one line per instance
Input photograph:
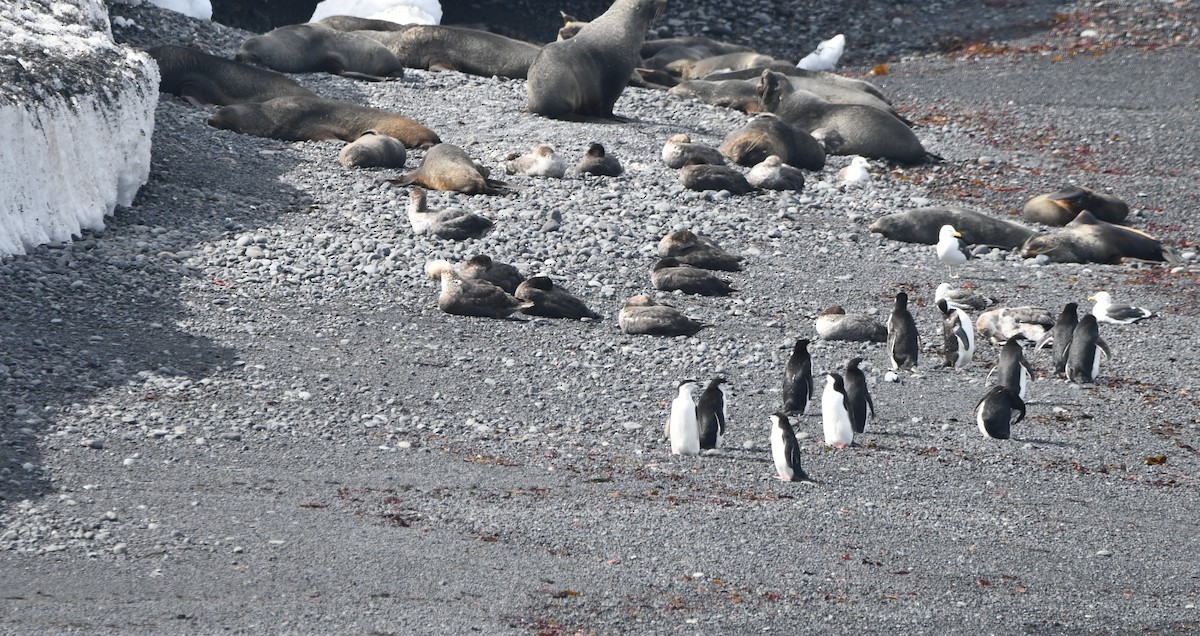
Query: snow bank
(77, 113)
(199, 9)
(400, 11)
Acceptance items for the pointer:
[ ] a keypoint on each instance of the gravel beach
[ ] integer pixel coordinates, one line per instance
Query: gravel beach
(238, 409)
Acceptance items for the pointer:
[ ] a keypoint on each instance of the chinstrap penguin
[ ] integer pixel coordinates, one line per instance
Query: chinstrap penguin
(835, 413)
(858, 396)
(798, 380)
(902, 335)
(785, 450)
(998, 411)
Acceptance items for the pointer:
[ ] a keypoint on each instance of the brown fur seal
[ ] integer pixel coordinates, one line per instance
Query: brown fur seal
(766, 135)
(1060, 208)
(204, 79)
(448, 167)
(471, 51)
(790, 70)
(641, 315)
(736, 94)
(312, 48)
(598, 162)
(680, 150)
(699, 251)
(1089, 240)
(316, 119)
(695, 69)
(584, 76)
(922, 225)
(373, 150)
(354, 23)
(704, 176)
(706, 47)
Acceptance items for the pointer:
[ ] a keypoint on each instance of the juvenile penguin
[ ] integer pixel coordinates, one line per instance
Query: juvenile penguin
(712, 415)
(902, 335)
(960, 298)
(1013, 370)
(641, 315)
(680, 150)
(449, 167)
(671, 275)
(951, 250)
(774, 174)
(538, 162)
(998, 411)
(785, 450)
(482, 267)
(958, 335)
(551, 301)
(698, 251)
(598, 162)
(682, 426)
(1060, 336)
(835, 413)
(1105, 311)
(833, 323)
(798, 380)
(469, 297)
(1083, 358)
(858, 396)
(454, 224)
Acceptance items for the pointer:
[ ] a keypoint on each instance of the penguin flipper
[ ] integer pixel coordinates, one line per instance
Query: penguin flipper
(871, 404)
(1046, 338)
(1104, 347)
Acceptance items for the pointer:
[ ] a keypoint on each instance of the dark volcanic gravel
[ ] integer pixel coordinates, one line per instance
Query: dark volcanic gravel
(239, 409)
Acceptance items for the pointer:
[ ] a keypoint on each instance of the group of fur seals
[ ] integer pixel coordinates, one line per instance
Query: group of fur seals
(315, 48)
(1090, 240)
(447, 48)
(317, 119)
(205, 80)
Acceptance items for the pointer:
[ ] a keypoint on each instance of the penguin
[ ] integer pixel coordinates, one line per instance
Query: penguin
(958, 335)
(998, 411)
(1060, 336)
(681, 426)
(786, 450)
(902, 335)
(711, 415)
(1083, 356)
(798, 380)
(1013, 369)
(857, 395)
(835, 413)
(951, 249)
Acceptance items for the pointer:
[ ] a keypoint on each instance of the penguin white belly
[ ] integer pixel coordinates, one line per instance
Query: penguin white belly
(980, 422)
(685, 434)
(779, 454)
(1024, 383)
(1095, 364)
(836, 420)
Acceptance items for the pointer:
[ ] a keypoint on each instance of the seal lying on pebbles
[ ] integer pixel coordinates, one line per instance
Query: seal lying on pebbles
(551, 301)
(541, 161)
(447, 48)
(373, 150)
(697, 45)
(791, 71)
(482, 267)
(736, 94)
(354, 23)
(774, 174)
(584, 76)
(703, 176)
(641, 315)
(669, 274)
(834, 323)
(204, 79)
(922, 225)
(314, 48)
(1002, 323)
(680, 150)
(448, 167)
(695, 69)
(453, 224)
(698, 251)
(598, 162)
(1060, 208)
(318, 119)
(1089, 240)
(464, 297)
(765, 135)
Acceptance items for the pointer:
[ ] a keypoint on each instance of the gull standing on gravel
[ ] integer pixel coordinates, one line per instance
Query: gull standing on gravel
(681, 425)
(855, 175)
(951, 249)
(785, 450)
(1105, 311)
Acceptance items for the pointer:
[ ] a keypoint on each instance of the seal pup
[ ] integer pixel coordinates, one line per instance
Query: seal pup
(315, 48)
(552, 301)
(680, 150)
(584, 75)
(540, 161)
(855, 175)
(204, 79)
(698, 251)
(951, 250)
(1002, 323)
(961, 298)
(833, 323)
(598, 162)
(1090, 240)
(482, 267)
(902, 335)
(785, 450)
(465, 297)
(1013, 370)
(858, 396)
(447, 48)
(774, 174)
(835, 413)
(1114, 314)
(298, 118)
(765, 135)
(448, 167)
(1083, 356)
(669, 274)
(798, 380)
(924, 225)
(1060, 336)
(641, 315)
(998, 411)
(703, 176)
(455, 224)
(373, 149)
(682, 426)
(712, 415)
(1060, 208)
(958, 335)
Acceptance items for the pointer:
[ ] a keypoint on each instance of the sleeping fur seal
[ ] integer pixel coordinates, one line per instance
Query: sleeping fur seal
(204, 79)
(373, 149)
(766, 135)
(1060, 208)
(448, 167)
(695, 69)
(923, 224)
(790, 70)
(355, 23)
(584, 76)
(316, 119)
(471, 51)
(1090, 240)
(313, 48)
(736, 94)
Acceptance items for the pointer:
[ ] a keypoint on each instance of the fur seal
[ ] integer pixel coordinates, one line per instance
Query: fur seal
(551, 301)
(671, 275)
(453, 224)
(774, 174)
(1002, 323)
(695, 69)
(833, 323)
(447, 48)
(584, 76)
(1090, 240)
(313, 48)
(318, 119)
(688, 247)
(736, 94)
(791, 71)
(448, 167)
(482, 267)
(703, 176)
(641, 315)
(540, 161)
(680, 150)
(922, 225)
(354, 23)
(1060, 208)
(598, 162)
(705, 47)
(373, 149)
(470, 297)
(204, 79)
(766, 135)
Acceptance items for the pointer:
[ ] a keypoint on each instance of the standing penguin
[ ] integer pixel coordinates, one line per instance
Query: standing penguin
(902, 335)
(798, 380)
(958, 335)
(857, 395)
(1060, 336)
(711, 415)
(998, 411)
(1083, 358)
(835, 413)
(786, 450)
(681, 426)
(1013, 369)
